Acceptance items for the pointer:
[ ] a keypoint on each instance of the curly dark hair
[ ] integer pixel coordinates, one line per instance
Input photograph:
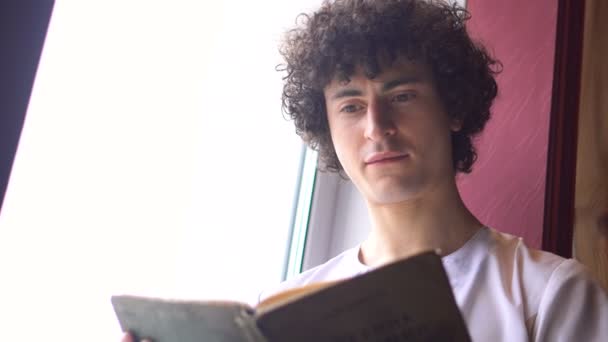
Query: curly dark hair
(344, 34)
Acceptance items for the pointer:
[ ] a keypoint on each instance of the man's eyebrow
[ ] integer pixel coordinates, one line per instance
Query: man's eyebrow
(349, 92)
(400, 81)
(346, 93)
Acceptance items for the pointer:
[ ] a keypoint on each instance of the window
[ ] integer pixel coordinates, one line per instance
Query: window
(154, 160)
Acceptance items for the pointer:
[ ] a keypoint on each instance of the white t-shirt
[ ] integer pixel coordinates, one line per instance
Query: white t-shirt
(505, 290)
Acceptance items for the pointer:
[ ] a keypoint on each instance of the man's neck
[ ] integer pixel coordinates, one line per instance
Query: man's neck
(438, 222)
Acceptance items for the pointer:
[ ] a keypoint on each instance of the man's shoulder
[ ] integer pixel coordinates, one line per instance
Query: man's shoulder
(511, 251)
(542, 290)
(539, 272)
(342, 266)
(497, 252)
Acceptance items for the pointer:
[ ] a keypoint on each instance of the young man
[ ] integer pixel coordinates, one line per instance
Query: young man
(391, 93)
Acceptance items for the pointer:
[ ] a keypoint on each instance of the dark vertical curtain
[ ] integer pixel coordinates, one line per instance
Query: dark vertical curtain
(23, 27)
(561, 163)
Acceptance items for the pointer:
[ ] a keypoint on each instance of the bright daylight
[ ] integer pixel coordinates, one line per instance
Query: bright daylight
(154, 160)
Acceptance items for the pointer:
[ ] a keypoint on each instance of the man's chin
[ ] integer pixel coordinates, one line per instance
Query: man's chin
(393, 195)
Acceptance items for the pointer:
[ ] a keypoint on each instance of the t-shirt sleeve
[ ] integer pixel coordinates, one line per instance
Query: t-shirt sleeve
(573, 307)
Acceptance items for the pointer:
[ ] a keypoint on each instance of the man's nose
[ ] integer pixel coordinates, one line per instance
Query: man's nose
(379, 122)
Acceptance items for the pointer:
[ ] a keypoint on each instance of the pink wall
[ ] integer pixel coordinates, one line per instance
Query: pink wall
(506, 189)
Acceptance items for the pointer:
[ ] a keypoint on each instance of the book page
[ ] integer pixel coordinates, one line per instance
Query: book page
(185, 321)
(287, 296)
(410, 300)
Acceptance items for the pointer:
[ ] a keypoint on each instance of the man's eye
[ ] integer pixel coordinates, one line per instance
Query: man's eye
(404, 97)
(352, 108)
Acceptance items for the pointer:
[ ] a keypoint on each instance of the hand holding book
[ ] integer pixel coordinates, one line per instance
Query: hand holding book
(409, 300)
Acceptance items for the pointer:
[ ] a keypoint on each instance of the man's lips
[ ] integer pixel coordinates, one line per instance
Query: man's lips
(380, 157)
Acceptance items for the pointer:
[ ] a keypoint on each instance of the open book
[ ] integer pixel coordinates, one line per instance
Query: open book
(409, 300)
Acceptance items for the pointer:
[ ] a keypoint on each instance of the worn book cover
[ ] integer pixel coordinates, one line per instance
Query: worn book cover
(409, 300)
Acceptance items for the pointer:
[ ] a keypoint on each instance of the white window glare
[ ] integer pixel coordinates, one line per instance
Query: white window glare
(301, 219)
(154, 160)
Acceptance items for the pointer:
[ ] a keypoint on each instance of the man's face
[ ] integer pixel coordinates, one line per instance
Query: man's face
(391, 134)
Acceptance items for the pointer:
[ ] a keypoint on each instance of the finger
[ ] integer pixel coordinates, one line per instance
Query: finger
(127, 338)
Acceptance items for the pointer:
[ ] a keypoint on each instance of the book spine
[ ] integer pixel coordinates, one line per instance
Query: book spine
(249, 328)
